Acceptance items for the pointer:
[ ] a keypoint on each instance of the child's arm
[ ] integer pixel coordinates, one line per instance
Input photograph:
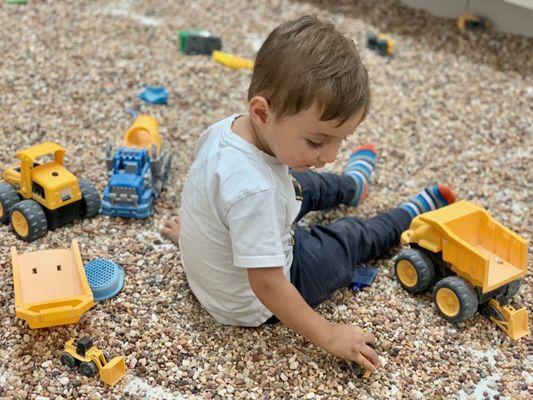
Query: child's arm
(284, 300)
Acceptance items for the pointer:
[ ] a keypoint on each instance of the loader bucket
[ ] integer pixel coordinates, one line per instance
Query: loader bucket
(518, 324)
(113, 371)
(514, 322)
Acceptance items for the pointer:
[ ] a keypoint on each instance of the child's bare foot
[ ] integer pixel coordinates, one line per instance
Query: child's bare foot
(171, 230)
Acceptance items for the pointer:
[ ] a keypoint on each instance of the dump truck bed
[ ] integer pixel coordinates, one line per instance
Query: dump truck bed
(50, 286)
(478, 247)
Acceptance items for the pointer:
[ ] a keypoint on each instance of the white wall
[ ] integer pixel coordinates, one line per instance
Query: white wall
(514, 16)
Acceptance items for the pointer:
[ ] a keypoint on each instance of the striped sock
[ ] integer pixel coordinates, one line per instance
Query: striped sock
(430, 198)
(359, 168)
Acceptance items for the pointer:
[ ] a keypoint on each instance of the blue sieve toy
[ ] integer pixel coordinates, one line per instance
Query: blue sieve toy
(105, 277)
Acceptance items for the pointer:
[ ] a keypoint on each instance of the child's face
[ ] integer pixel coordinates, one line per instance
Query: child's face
(302, 140)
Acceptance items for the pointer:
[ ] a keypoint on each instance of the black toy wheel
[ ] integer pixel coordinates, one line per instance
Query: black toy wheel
(90, 199)
(513, 288)
(28, 220)
(455, 298)
(88, 369)
(414, 270)
(8, 198)
(68, 360)
(166, 174)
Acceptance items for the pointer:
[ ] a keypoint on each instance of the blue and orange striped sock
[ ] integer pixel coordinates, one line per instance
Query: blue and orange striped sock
(429, 199)
(360, 167)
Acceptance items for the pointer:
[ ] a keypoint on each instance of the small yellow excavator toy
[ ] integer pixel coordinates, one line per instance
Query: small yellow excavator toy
(90, 360)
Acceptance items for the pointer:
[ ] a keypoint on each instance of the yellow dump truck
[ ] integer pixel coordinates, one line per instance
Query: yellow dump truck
(471, 261)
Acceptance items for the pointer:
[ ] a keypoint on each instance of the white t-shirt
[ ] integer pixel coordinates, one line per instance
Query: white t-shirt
(237, 208)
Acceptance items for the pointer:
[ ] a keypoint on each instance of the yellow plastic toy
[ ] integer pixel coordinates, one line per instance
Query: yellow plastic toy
(231, 60)
(50, 286)
(472, 262)
(358, 371)
(381, 43)
(90, 360)
(469, 21)
(144, 133)
(41, 196)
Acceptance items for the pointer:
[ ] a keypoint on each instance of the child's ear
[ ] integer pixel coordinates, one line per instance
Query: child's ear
(260, 110)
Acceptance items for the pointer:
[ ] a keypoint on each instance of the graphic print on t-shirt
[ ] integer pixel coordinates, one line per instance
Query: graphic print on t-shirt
(297, 189)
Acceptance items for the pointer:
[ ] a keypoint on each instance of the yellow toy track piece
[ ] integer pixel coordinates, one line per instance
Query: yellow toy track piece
(232, 61)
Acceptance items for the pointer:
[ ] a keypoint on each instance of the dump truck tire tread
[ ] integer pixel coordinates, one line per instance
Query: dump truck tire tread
(35, 218)
(512, 288)
(423, 265)
(8, 198)
(465, 293)
(91, 199)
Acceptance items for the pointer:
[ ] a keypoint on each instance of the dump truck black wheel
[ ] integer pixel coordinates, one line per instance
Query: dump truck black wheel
(167, 170)
(68, 360)
(513, 288)
(455, 298)
(414, 270)
(8, 198)
(88, 369)
(28, 220)
(90, 199)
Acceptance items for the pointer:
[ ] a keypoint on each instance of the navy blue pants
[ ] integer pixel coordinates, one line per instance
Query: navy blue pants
(325, 256)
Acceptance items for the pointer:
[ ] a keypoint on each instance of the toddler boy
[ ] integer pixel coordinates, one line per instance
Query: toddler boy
(246, 259)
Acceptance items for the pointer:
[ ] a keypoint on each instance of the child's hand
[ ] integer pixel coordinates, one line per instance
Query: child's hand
(171, 230)
(352, 343)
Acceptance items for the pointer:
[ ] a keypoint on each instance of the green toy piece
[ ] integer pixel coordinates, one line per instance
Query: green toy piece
(194, 42)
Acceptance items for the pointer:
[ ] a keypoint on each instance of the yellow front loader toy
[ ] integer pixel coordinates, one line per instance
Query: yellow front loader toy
(90, 360)
(470, 261)
(38, 196)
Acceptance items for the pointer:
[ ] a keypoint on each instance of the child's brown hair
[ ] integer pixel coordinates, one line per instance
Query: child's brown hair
(306, 61)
